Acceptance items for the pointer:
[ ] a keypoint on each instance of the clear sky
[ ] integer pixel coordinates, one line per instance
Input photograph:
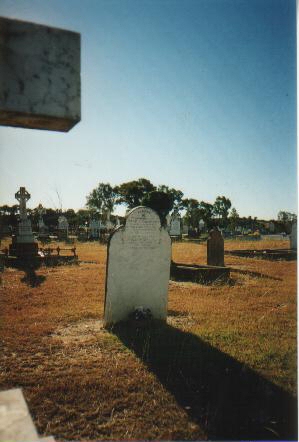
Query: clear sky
(199, 95)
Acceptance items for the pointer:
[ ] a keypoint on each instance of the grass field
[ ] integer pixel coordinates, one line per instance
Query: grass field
(223, 367)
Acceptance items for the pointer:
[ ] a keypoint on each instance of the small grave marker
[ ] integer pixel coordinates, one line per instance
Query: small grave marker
(63, 227)
(215, 248)
(138, 267)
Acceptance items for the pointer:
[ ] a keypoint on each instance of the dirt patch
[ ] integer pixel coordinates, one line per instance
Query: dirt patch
(81, 332)
(181, 320)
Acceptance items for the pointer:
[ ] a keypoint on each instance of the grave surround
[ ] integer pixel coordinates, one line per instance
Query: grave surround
(138, 267)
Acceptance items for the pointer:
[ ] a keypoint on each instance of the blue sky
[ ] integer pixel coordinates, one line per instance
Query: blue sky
(198, 95)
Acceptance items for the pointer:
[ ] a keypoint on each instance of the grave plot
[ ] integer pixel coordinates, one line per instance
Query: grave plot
(23, 251)
(270, 254)
(214, 271)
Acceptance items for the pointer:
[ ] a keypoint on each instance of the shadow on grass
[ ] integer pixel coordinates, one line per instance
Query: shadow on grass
(30, 277)
(227, 399)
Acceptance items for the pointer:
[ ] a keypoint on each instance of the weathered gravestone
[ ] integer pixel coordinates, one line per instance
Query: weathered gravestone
(39, 76)
(16, 424)
(293, 237)
(185, 229)
(94, 228)
(175, 225)
(63, 227)
(41, 225)
(138, 267)
(201, 225)
(215, 248)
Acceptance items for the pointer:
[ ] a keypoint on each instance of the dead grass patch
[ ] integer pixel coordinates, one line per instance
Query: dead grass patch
(84, 383)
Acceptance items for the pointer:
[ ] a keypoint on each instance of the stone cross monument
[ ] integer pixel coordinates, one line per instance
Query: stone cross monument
(23, 244)
(25, 231)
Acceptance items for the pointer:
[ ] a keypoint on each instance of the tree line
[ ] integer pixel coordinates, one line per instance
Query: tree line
(161, 198)
(104, 198)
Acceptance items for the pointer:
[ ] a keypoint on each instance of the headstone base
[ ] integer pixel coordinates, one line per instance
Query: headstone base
(62, 235)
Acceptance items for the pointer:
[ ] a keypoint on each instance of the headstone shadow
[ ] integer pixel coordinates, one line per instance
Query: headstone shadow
(31, 278)
(225, 397)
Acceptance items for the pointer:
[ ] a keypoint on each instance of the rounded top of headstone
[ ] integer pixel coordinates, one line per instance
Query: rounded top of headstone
(142, 213)
(215, 232)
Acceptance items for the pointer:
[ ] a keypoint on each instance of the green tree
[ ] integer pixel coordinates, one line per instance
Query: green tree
(206, 213)
(161, 202)
(233, 218)
(193, 212)
(71, 217)
(102, 198)
(221, 208)
(83, 216)
(286, 216)
(132, 193)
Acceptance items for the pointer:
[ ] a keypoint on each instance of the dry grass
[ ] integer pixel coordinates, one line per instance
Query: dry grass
(174, 382)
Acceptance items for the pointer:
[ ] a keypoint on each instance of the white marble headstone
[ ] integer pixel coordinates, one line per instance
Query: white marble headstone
(138, 267)
(175, 225)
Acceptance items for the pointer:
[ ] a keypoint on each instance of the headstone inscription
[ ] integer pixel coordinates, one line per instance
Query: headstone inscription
(24, 243)
(293, 236)
(215, 248)
(138, 267)
(39, 76)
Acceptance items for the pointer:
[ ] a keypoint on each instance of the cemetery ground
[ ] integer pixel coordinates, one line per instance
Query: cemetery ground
(223, 367)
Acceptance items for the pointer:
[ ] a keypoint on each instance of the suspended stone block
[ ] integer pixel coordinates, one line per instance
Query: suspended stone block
(39, 76)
